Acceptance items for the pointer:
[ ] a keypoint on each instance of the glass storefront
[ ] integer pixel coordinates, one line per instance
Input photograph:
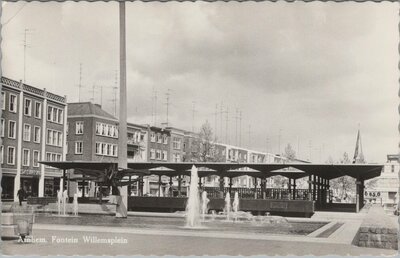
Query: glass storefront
(7, 185)
(30, 186)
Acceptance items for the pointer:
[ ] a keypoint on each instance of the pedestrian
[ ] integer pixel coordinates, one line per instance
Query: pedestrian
(21, 194)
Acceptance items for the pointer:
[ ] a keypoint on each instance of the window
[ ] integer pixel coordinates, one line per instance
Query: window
(28, 107)
(67, 129)
(60, 116)
(98, 148)
(25, 157)
(60, 139)
(27, 132)
(115, 150)
(176, 143)
(54, 138)
(152, 154)
(36, 155)
(105, 130)
(153, 137)
(12, 104)
(164, 155)
(78, 147)
(1, 154)
(55, 114)
(11, 155)
(36, 134)
(98, 129)
(38, 109)
(392, 168)
(165, 139)
(159, 139)
(158, 154)
(104, 149)
(2, 127)
(3, 100)
(79, 127)
(49, 113)
(11, 129)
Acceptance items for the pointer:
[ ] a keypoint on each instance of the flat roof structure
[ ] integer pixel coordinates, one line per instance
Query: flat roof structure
(260, 170)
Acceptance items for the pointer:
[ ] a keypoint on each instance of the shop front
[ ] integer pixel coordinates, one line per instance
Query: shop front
(7, 186)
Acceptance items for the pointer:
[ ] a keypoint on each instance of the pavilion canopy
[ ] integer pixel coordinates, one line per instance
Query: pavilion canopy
(261, 170)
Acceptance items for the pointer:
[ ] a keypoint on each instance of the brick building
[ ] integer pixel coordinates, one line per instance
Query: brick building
(33, 128)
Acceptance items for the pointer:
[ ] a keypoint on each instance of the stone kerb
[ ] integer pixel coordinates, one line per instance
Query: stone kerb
(378, 230)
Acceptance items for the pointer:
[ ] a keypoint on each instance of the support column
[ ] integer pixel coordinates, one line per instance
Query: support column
(314, 190)
(362, 194)
(263, 187)
(290, 189)
(159, 185)
(358, 187)
(319, 190)
(83, 187)
(221, 186)
(230, 186)
(171, 191)
(141, 183)
(294, 189)
(255, 187)
(179, 186)
(310, 188)
(200, 184)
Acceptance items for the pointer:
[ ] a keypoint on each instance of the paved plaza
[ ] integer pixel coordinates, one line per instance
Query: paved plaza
(69, 239)
(153, 244)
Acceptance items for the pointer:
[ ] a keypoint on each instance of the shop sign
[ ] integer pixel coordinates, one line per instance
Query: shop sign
(372, 194)
(30, 172)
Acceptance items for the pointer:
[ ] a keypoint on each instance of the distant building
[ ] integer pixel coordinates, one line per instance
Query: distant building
(33, 128)
(384, 189)
(92, 133)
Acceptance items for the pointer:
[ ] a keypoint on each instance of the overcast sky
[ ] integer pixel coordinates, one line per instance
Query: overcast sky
(308, 72)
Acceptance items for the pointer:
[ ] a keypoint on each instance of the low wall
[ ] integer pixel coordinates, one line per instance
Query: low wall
(171, 204)
(41, 200)
(378, 230)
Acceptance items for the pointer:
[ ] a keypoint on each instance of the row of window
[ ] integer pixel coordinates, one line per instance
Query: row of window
(54, 114)
(158, 154)
(176, 157)
(104, 129)
(158, 138)
(176, 143)
(26, 156)
(54, 138)
(106, 149)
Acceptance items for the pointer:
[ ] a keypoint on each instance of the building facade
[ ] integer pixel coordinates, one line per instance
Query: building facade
(384, 189)
(33, 128)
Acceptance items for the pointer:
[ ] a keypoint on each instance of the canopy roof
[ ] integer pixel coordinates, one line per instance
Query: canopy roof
(261, 170)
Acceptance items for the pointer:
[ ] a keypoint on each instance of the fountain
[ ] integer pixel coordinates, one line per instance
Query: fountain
(235, 205)
(204, 204)
(228, 207)
(64, 200)
(75, 204)
(59, 200)
(193, 203)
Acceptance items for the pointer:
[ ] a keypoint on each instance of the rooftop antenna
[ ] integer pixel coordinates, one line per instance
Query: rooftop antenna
(193, 112)
(167, 103)
(115, 92)
(240, 128)
(215, 122)
(236, 126)
(26, 45)
(80, 82)
(227, 122)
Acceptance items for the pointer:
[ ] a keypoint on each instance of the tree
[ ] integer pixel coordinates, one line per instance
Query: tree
(203, 148)
(290, 154)
(345, 184)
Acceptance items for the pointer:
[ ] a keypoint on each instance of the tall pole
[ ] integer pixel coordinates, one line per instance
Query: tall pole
(215, 122)
(121, 209)
(80, 82)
